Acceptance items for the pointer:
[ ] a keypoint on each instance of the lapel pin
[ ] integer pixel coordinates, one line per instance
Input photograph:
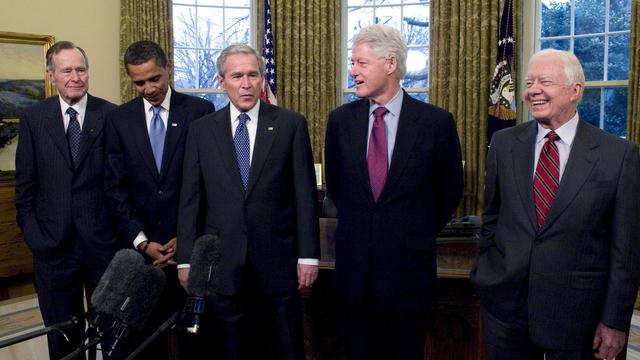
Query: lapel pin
(270, 128)
(174, 124)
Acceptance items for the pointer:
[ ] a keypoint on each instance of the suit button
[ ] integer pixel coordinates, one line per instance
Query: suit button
(160, 192)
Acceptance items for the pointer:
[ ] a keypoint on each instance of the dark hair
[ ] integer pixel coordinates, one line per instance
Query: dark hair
(142, 51)
(63, 45)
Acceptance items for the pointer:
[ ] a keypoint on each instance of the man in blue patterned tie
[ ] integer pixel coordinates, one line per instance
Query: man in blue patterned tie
(249, 179)
(59, 195)
(143, 168)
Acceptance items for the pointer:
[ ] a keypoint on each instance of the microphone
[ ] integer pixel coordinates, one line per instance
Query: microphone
(203, 279)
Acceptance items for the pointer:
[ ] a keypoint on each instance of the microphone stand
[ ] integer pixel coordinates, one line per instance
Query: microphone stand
(161, 329)
(80, 351)
(74, 321)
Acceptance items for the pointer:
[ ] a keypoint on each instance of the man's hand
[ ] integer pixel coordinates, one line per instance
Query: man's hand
(183, 277)
(608, 342)
(162, 255)
(307, 274)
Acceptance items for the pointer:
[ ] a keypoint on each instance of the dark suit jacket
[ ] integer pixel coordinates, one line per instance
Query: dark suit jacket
(139, 197)
(582, 264)
(57, 204)
(391, 243)
(271, 225)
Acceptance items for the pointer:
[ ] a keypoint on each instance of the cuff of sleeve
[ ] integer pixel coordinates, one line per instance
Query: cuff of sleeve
(308, 261)
(184, 266)
(140, 238)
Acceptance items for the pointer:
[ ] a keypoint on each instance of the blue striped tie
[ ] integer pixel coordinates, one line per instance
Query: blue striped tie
(157, 132)
(73, 135)
(241, 142)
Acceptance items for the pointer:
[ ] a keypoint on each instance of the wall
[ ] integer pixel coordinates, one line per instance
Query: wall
(93, 25)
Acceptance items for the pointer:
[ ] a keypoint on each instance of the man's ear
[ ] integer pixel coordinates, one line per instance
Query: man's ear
(391, 64)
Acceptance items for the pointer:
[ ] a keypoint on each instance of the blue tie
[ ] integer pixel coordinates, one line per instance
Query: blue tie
(241, 142)
(157, 132)
(73, 135)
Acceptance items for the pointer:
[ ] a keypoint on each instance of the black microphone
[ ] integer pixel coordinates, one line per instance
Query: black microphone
(203, 280)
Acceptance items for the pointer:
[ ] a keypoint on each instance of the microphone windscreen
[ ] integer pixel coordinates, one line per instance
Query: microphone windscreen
(134, 305)
(205, 258)
(124, 262)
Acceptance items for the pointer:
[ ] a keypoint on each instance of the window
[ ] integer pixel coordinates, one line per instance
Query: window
(411, 17)
(597, 31)
(201, 30)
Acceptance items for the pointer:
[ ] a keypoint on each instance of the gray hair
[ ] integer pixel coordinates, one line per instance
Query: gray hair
(237, 49)
(385, 42)
(63, 45)
(572, 67)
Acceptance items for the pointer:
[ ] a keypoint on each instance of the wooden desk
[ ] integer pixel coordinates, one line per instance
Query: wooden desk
(455, 328)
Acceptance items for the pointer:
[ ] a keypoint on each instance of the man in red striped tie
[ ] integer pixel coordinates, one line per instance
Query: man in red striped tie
(557, 273)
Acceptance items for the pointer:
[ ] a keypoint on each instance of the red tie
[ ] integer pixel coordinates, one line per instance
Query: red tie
(377, 156)
(547, 177)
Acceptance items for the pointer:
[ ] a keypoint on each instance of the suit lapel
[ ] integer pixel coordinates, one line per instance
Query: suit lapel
(405, 139)
(141, 136)
(223, 140)
(522, 156)
(359, 124)
(176, 126)
(55, 128)
(91, 128)
(265, 134)
(582, 159)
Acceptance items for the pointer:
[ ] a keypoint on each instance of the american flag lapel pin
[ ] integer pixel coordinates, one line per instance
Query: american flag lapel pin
(270, 128)
(174, 124)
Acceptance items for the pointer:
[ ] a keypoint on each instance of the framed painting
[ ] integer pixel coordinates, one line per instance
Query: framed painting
(23, 82)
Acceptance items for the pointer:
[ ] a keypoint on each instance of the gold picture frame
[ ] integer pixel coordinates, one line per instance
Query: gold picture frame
(23, 74)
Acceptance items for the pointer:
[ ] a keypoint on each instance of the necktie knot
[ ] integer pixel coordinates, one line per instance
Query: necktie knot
(72, 112)
(552, 136)
(156, 110)
(379, 113)
(243, 118)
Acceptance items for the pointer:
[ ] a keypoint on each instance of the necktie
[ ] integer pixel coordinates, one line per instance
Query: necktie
(241, 142)
(547, 177)
(377, 161)
(157, 133)
(73, 135)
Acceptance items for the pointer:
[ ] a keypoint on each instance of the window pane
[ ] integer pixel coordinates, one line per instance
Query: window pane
(350, 82)
(618, 57)
(389, 15)
(360, 2)
(561, 44)
(210, 34)
(619, 15)
(589, 16)
(416, 27)
(422, 96)
(349, 97)
(615, 111)
(184, 19)
(207, 75)
(590, 51)
(190, 2)
(556, 18)
(385, 2)
(211, 2)
(219, 100)
(417, 69)
(240, 3)
(589, 107)
(237, 26)
(358, 18)
(185, 66)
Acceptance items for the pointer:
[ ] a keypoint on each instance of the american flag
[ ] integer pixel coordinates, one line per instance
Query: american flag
(268, 93)
(502, 102)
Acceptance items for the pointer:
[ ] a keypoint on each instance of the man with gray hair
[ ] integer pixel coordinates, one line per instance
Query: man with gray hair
(394, 170)
(59, 193)
(557, 272)
(249, 179)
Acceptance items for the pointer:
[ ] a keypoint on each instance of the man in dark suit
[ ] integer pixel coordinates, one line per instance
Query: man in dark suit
(249, 178)
(143, 170)
(59, 195)
(394, 171)
(557, 272)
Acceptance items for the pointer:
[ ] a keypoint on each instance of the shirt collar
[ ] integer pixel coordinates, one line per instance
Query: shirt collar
(394, 105)
(566, 132)
(165, 103)
(253, 112)
(79, 107)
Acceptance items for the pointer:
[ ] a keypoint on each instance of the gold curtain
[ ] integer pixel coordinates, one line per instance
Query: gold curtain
(307, 39)
(463, 48)
(633, 105)
(143, 20)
